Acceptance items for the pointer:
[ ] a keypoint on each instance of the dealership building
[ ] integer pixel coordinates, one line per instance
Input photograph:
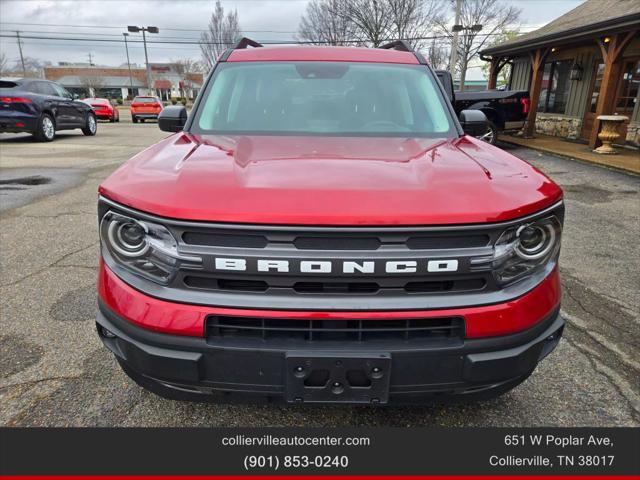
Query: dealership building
(582, 65)
(121, 82)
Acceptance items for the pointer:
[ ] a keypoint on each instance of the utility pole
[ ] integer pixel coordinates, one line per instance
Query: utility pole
(135, 29)
(90, 59)
(126, 47)
(24, 70)
(453, 59)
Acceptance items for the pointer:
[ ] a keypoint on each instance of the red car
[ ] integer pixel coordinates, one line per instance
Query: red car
(143, 108)
(323, 229)
(103, 109)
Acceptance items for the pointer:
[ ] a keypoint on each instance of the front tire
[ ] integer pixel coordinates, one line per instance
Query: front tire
(134, 119)
(491, 136)
(91, 125)
(46, 129)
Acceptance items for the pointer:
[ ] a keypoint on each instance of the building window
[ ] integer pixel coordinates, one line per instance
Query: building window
(628, 93)
(597, 83)
(555, 87)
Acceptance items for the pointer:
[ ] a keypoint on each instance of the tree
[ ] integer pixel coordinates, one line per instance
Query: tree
(412, 19)
(33, 67)
(505, 73)
(92, 83)
(494, 16)
(320, 24)
(369, 22)
(371, 19)
(437, 54)
(222, 33)
(186, 66)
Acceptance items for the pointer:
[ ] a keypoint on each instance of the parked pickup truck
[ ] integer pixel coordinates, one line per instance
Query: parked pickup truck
(506, 110)
(321, 228)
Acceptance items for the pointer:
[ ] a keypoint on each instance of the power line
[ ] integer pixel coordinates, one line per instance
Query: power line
(268, 42)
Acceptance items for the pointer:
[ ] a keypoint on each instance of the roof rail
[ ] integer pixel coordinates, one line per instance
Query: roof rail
(397, 45)
(246, 42)
(403, 46)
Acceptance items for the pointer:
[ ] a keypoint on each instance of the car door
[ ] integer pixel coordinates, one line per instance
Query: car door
(74, 114)
(54, 103)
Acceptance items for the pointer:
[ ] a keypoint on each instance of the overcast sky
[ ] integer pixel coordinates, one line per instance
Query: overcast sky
(263, 20)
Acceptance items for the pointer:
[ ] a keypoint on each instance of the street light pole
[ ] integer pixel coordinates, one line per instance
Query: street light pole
(146, 59)
(126, 47)
(135, 29)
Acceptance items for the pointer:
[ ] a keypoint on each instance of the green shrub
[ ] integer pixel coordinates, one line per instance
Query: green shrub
(183, 101)
(119, 101)
(174, 101)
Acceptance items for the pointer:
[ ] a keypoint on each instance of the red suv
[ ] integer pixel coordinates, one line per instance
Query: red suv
(144, 108)
(322, 230)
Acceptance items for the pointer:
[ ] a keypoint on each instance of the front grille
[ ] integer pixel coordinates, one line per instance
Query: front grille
(335, 287)
(441, 328)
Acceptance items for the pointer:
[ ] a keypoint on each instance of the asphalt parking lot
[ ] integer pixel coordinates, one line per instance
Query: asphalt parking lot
(55, 372)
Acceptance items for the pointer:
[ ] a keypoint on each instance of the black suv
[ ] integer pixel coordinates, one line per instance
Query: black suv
(42, 107)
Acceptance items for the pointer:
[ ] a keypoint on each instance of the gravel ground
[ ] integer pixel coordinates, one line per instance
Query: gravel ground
(55, 372)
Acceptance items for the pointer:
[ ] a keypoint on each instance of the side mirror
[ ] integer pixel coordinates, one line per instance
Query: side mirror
(474, 122)
(172, 119)
(446, 80)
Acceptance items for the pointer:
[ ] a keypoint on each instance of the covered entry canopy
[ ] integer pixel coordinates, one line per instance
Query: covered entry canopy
(591, 53)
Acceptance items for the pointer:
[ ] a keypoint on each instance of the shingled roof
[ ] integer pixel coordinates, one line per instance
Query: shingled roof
(584, 21)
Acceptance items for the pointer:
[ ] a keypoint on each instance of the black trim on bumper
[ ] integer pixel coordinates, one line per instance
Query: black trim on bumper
(209, 370)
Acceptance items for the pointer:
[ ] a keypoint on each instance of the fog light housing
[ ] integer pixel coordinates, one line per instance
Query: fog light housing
(107, 333)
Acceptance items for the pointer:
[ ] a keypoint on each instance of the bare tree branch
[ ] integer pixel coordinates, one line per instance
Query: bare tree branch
(92, 83)
(321, 25)
(412, 19)
(372, 19)
(222, 33)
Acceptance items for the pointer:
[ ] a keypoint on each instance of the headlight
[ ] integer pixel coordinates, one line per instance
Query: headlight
(526, 248)
(144, 248)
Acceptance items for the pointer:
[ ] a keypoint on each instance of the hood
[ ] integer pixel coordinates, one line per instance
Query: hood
(306, 180)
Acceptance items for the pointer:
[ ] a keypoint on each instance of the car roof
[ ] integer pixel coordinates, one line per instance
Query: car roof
(326, 54)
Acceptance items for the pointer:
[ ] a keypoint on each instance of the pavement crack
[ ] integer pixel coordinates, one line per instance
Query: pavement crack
(58, 215)
(38, 381)
(621, 386)
(51, 265)
(569, 289)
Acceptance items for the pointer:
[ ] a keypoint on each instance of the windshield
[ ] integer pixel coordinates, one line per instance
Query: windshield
(323, 98)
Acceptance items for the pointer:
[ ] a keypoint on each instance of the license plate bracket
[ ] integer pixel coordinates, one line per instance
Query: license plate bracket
(335, 377)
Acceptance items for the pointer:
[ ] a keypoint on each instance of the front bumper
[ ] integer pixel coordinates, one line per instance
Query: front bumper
(210, 370)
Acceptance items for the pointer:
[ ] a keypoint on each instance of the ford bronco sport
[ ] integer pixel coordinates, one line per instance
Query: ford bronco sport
(320, 229)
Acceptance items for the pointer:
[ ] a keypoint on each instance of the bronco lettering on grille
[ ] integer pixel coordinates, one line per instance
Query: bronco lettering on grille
(346, 266)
